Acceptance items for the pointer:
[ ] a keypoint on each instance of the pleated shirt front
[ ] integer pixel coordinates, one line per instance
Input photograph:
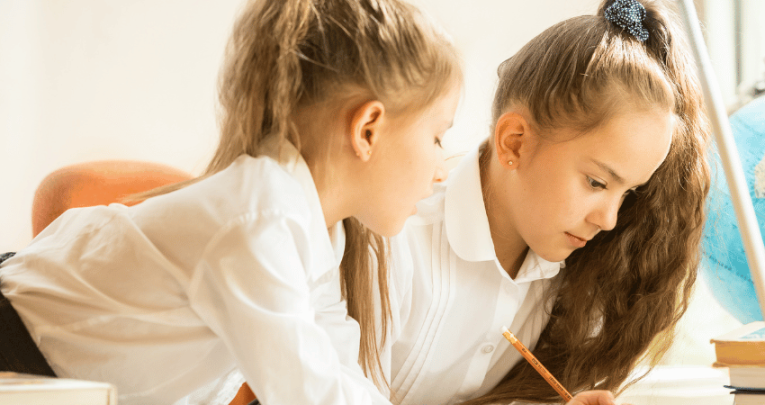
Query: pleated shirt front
(450, 298)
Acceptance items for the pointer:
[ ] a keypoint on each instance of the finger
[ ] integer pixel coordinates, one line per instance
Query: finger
(593, 398)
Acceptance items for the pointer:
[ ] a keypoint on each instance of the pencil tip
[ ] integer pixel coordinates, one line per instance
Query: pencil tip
(504, 329)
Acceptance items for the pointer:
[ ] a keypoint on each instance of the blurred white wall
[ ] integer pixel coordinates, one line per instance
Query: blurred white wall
(84, 80)
(87, 80)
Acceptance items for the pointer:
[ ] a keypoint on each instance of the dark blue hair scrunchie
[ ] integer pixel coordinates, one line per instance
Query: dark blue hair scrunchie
(628, 14)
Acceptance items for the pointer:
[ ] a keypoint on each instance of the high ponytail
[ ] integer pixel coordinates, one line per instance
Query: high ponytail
(261, 79)
(619, 298)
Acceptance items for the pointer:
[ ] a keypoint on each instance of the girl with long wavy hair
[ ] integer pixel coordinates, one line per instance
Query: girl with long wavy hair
(332, 116)
(576, 224)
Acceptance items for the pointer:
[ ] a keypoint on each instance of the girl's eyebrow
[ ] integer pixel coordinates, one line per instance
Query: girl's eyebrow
(610, 171)
(613, 173)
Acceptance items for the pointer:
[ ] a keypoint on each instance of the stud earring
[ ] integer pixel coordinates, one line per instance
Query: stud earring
(510, 162)
(369, 152)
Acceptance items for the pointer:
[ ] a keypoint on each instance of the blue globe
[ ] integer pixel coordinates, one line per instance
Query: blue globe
(725, 267)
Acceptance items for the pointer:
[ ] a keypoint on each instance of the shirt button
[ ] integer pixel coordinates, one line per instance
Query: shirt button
(488, 349)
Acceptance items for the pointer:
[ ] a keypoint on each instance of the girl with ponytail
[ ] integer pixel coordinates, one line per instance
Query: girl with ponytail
(576, 224)
(332, 114)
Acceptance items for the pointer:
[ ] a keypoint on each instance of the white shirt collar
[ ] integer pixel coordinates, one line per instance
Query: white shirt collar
(330, 242)
(536, 268)
(467, 225)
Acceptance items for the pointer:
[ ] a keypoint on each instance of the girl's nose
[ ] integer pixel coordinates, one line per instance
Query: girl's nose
(606, 215)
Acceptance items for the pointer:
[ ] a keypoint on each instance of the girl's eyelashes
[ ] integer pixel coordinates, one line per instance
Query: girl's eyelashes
(594, 184)
(438, 142)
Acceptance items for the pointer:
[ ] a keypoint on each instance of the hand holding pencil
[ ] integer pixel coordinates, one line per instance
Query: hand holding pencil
(593, 398)
(583, 398)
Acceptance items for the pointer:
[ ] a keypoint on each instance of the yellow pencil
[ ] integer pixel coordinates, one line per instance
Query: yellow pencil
(536, 364)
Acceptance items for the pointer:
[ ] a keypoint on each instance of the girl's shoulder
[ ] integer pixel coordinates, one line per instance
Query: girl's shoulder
(250, 185)
(259, 178)
(251, 192)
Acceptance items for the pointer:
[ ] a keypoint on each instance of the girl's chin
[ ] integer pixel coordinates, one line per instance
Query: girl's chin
(390, 228)
(555, 255)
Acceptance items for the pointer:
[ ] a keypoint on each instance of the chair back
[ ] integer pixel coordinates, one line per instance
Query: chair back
(97, 183)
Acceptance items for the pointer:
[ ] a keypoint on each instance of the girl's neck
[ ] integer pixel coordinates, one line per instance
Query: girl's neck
(509, 246)
(329, 181)
(319, 136)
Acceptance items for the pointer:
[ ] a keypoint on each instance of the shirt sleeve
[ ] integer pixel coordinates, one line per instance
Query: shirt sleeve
(251, 288)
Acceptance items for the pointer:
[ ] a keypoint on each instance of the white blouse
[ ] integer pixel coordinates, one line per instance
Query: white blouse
(450, 298)
(160, 299)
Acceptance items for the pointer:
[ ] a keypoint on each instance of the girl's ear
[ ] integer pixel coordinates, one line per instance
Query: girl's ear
(365, 128)
(510, 135)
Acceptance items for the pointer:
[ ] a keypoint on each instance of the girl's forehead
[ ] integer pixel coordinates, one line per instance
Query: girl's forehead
(630, 145)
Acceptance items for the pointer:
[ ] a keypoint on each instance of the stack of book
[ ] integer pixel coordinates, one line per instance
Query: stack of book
(26, 389)
(743, 352)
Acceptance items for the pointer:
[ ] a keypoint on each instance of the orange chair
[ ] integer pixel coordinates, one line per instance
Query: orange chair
(96, 183)
(102, 183)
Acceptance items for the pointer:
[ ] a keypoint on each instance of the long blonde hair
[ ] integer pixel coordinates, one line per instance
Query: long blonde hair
(627, 288)
(284, 55)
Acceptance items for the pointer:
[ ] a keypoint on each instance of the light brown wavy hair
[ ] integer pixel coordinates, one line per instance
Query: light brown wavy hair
(626, 290)
(285, 55)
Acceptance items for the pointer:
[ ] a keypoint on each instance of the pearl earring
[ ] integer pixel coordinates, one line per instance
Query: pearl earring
(510, 162)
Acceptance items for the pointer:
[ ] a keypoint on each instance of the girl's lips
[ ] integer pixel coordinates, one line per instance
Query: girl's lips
(576, 241)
